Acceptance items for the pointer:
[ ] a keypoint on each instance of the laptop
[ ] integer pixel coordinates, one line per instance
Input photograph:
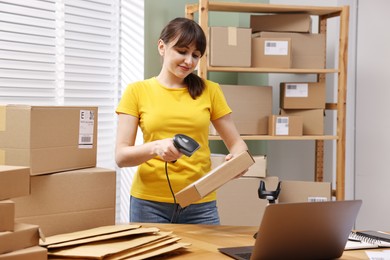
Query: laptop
(305, 230)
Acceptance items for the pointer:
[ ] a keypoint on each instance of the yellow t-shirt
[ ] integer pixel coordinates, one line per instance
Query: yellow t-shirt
(164, 112)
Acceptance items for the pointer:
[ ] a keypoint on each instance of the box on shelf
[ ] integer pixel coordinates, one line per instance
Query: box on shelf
(305, 191)
(313, 119)
(308, 49)
(23, 236)
(48, 138)
(214, 179)
(281, 23)
(238, 201)
(32, 253)
(70, 200)
(271, 52)
(230, 46)
(14, 181)
(285, 125)
(7, 215)
(251, 106)
(258, 169)
(302, 95)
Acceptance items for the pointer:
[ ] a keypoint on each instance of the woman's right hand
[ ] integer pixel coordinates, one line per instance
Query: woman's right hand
(166, 150)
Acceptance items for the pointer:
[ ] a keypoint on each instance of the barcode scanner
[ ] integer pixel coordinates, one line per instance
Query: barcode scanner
(185, 144)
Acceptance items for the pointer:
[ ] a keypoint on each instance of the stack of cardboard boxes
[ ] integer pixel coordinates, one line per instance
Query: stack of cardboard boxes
(58, 144)
(17, 240)
(274, 41)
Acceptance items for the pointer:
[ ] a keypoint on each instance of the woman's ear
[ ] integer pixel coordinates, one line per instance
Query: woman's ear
(161, 47)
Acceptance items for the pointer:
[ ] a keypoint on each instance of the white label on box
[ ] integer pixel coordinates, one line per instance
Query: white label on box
(297, 90)
(232, 36)
(281, 125)
(87, 120)
(275, 47)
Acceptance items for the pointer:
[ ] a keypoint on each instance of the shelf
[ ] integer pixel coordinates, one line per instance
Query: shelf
(266, 8)
(281, 138)
(204, 7)
(271, 70)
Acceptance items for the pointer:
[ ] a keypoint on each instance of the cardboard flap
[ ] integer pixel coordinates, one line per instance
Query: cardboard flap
(126, 233)
(61, 238)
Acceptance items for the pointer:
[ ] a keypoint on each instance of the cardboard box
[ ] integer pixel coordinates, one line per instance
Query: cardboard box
(308, 50)
(30, 253)
(302, 95)
(271, 52)
(285, 125)
(48, 139)
(72, 198)
(14, 181)
(251, 106)
(214, 179)
(305, 191)
(258, 169)
(238, 201)
(59, 223)
(313, 119)
(230, 46)
(281, 23)
(23, 236)
(7, 215)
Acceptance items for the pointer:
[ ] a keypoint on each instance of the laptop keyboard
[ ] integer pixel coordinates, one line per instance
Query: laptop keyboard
(244, 255)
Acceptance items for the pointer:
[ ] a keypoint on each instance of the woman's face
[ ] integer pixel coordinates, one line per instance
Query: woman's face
(179, 60)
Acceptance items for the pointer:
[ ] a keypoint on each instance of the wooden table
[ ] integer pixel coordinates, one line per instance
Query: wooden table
(205, 241)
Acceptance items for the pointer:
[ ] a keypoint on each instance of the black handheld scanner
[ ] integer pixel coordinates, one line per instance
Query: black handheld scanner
(185, 144)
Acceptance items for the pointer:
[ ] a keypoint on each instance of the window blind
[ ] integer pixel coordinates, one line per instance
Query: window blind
(63, 52)
(73, 52)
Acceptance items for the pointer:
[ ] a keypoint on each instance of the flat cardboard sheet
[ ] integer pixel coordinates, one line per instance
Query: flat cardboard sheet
(126, 233)
(113, 242)
(93, 232)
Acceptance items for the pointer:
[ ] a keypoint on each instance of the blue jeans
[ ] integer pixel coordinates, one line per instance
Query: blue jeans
(147, 211)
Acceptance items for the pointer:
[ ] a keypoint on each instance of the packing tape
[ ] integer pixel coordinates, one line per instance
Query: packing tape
(2, 157)
(2, 118)
(232, 36)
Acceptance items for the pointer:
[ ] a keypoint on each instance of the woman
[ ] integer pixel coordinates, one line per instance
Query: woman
(176, 101)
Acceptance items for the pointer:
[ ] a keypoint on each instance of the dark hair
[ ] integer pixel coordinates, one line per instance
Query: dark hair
(188, 32)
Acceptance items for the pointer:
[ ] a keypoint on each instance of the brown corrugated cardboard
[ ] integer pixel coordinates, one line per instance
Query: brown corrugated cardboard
(285, 125)
(230, 46)
(302, 95)
(14, 181)
(70, 191)
(303, 191)
(238, 201)
(308, 50)
(7, 215)
(53, 224)
(30, 253)
(23, 236)
(102, 232)
(214, 179)
(70, 198)
(313, 119)
(271, 52)
(281, 23)
(251, 106)
(48, 138)
(258, 169)
(138, 242)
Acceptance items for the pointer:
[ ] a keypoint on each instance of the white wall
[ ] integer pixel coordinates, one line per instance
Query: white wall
(372, 114)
